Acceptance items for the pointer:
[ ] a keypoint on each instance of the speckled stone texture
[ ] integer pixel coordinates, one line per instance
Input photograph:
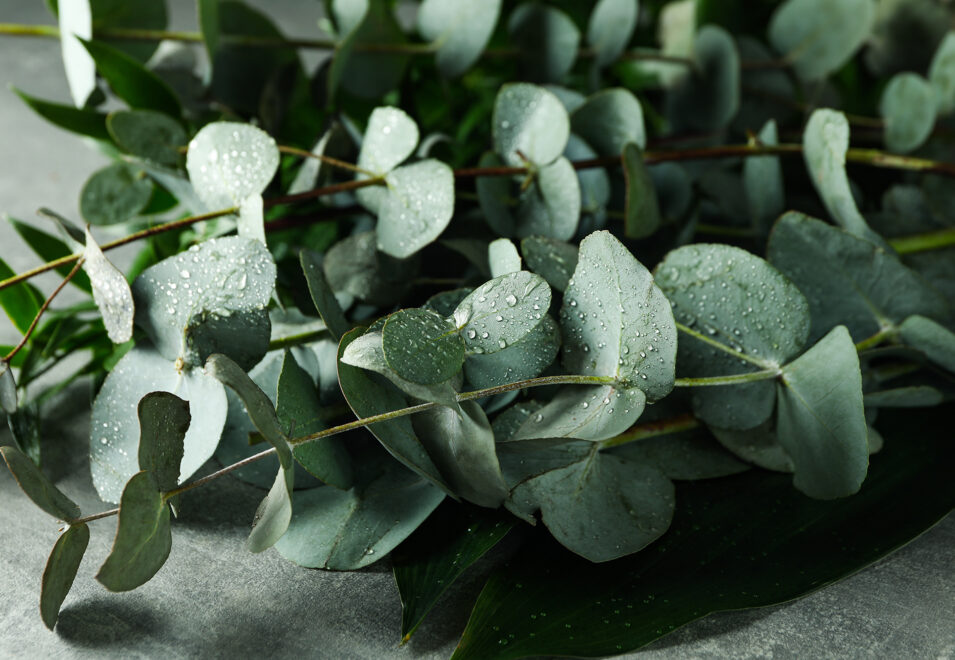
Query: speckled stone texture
(214, 599)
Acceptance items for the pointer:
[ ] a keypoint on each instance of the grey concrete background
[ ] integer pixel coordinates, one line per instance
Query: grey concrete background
(213, 599)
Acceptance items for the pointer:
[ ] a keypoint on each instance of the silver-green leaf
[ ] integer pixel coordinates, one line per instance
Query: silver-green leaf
(417, 207)
(460, 30)
(908, 108)
(529, 122)
(111, 292)
(229, 161)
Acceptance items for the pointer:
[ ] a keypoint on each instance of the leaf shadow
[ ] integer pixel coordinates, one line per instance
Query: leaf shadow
(107, 621)
(712, 626)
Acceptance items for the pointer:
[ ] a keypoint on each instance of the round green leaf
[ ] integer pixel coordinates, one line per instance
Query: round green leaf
(390, 137)
(228, 161)
(417, 208)
(707, 98)
(529, 122)
(553, 260)
(547, 40)
(114, 426)
(611, 26)
(758, 445)
(942, 75)
(610, 119)
(502, 312)
(908, 108)
(595, 190)
(551, 206)
(147, 134)
(524, 359)
(461, 30)
(114, 194)
(819, 36)
(503, 257)
(421, 346)
(356, 267)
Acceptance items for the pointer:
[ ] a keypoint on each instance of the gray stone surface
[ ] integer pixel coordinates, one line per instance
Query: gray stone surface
(213, 599)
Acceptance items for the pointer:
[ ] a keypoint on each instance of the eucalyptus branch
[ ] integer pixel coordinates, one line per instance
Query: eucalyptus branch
(916, 243)
(736, 379)
(686, 422)
(297, 340)
(334, 162)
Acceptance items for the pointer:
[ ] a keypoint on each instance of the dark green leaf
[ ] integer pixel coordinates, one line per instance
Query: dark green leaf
(763, 182)
(917, 396)
(422, 347)
(209, 26)
(723, 552)
(21, 301)
(460, 30)
(131, 81)
(60, 571)
(821, 421)
(322, 297)
(933, 339)
(942, 75)
(438, 553)
(609, 120)
(642, 211)
(163, 422)
(553, 260)
(546, 38)
(114, 194)
(366, 74)
(143, 537)
(37, 487)
(708, 97)
(148, 134)
(84, 122)
(49, 248)
(526, 358)
(356, 267)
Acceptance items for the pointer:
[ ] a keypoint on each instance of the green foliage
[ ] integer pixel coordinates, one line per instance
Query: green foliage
(373, 331)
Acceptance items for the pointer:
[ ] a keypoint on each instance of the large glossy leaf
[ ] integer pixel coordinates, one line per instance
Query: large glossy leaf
(461, 443)
(942, 75)
(460, 30)
(610, 28)
(722, 552)
(616, 324)
(438, 553)
(848, 280)
(163, 422)
(208, 299)
(111, 292)
(417, 207)
(908, 108)
(60, 571)
(609, 120)
(114, 427)
(821, 422)
(825, 143)
(37, 486)
(131, 81)
(77, 120)
(345, 530)
(819, 36)
(147, 134)
(369, 394)
(708, 98)
(421, 346)
(501, 312)
(731, 299)
(76, 23)
(529, 122)
(546, 38)
(933, 339)
(143, 537)
(229, 161)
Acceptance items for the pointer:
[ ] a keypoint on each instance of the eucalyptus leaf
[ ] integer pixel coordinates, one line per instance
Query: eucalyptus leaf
(553, 260)
(610, 28)
(753, 316)
(143, 537)
(251, 219)
(60, 571)
(228, 161)
(763, 182)
(595, 186)
(609, 120)
(163, 422)
(821, 418)
(208, 11)
(707, 98)
(274, 513)
(417, 209)
(908, 108)
(933, 339)
(526, 358)
(503, 257)
(825, 143)
(461, 443)
(8, 389)
(368, 395)
(89, 123)
(37, 486)
(529, 122)
(603, 507)
(366, 74)
(547, 40)
(917, 396)
(942, 75)
(847, 280)
(759, 446)
(76, 23)
(130, 80)
(115, 194)
(321, 293)
(819, 36)
(355, 266)
(347, 530)
(114, 427)
(501, 312)
(642, 211)
(390, 138)
(460, 30)
(421, 346)
(50, 248)
(299, 412)
(21, 302)
(551, 206)
(225, 282)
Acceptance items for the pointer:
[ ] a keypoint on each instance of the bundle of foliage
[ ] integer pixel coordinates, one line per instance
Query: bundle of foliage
(592, 277)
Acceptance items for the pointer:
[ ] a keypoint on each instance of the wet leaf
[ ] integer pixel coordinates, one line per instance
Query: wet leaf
(60, 571)
(502, 312)
(421, 346)
(163, 422)
(37, 487)
(132, 81)
(908, 108)
(610, 28)
(114, 426)
(642, 212)
(503, 257)
(819, 36)
(229, 161)
(529, 120)
(609, 120)
(547, 39)
(526, 358)
(143, 537)
(461, 31)
(933, 339)
(821, 421)
(417, 208)
(390, 138)
(76, 23)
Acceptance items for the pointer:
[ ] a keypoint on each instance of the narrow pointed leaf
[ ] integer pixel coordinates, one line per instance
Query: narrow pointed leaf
(49, 248)
(76, 120)
(131, 81)
(274, 513)
(37, 487)
(21, 301)
(76, 24)
(642, 211)
(324, 300)
(60, 571)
